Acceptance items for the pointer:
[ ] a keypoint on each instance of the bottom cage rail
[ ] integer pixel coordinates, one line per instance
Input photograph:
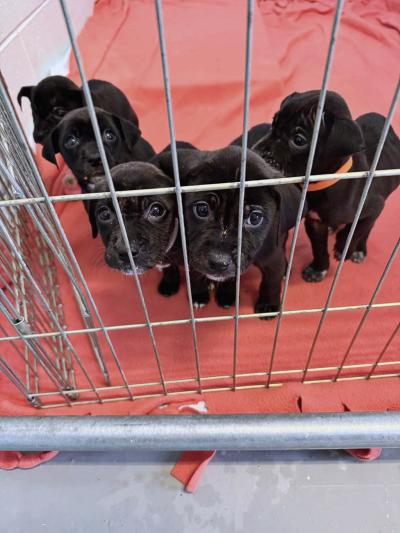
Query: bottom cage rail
(211, 432)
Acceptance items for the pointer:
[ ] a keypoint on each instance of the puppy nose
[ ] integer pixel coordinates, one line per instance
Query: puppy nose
(124, 257)
(219, 262)
(94, 160)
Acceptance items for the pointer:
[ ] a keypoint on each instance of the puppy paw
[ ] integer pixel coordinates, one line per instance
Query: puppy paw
(311, 275)
(358, 257)
(225, 296)
(264, 307)
(200, 299)
(168, 287)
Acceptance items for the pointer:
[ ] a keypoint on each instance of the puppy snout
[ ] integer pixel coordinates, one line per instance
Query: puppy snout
(219, 262)
(94, 159)
(123, 254)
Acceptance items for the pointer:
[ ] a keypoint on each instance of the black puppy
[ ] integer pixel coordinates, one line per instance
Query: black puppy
(74, 138)
(343, 145)
(212, 225)
(55, 96)
(150, 221)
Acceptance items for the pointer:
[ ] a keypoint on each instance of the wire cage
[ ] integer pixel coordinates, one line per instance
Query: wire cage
(35, 251)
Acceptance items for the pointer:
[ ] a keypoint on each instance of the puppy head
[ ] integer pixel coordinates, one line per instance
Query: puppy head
(74, 138)
(287, 145)
(151, 221)
(212, 217)
(50, 101)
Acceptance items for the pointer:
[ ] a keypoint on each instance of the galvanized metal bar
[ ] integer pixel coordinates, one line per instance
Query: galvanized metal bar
(368, 309)
(178, 188)
(195, 188)
(110, 184)
(243, 161)
(384, 350)
(310, 161)
(221, 318)
(211, 432)
(379, 148)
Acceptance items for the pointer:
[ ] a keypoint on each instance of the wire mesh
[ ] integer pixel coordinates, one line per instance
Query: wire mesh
(35, 252)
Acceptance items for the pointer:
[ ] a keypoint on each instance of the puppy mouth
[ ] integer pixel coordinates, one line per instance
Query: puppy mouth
(270, 159)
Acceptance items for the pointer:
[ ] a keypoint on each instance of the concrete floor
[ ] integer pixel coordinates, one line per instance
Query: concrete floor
(259, 491)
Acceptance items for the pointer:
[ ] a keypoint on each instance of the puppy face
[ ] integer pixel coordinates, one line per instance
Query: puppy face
(150, 221)
(50, 101)
(212, 217)
(74, 139)
(286, 147)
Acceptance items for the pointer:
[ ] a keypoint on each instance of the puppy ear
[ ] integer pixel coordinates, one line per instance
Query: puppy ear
(288, 199)
(25, 91)
(288, 98)
(129, 131)
(345, 137)
(51, 146)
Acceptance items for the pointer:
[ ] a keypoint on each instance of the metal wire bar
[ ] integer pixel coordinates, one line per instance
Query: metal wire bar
(17, 382)
(379, 148)
(212, 432)
(221, 318)
(387, 344)
(99, 142)
(243, 160)
(45, 303)
(313, 146)
(60, 229)
(26, 186)
(178, 189)
(40, 355)
(368, 309)
(226, 377)
(196, 188)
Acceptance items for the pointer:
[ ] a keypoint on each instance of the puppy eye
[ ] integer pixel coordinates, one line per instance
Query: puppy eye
(109, 135)
(201, 209)
(59, 111)
(71, 141)
(156, 210)
(254, 219)
(104, 214)
(299, 140)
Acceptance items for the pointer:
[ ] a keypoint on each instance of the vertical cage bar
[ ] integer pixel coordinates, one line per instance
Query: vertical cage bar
(99, 142)
(243, 161)
(379, 148)
(178, 190)
(384, 350)
(313, 146)
(368, 309)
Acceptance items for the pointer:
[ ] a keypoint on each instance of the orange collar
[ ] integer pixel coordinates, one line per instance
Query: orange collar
(320, 185)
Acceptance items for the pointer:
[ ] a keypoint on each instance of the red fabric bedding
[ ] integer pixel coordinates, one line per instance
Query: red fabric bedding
(206, 46)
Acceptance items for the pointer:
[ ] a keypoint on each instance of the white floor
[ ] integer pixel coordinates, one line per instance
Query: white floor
(321, 492)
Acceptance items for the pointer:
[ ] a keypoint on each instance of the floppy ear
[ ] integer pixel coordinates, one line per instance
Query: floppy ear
(288, 98)
(345, 137)
(288, 198)
(51, 146)
(129, 131)
(25, 91)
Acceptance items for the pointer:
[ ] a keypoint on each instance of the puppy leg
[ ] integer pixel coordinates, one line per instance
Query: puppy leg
(317, 232)
(357, 251)
(169, 285)
(225, 293)
(200, 290)
(269, 297)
